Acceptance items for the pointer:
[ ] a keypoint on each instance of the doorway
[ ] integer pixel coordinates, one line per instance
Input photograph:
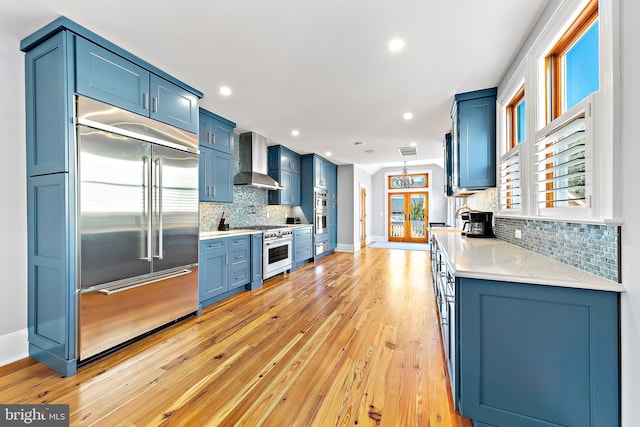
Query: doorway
(363, 217)
(408, 216)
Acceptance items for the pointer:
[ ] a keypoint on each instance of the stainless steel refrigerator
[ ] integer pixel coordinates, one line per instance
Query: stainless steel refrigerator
(137, 189)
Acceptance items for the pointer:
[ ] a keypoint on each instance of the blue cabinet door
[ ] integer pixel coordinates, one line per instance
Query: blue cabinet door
(51, 304)
(473, 140)
(533, 355)
(213, 268)
(216, 132)
(173, 105)
(448, 166)
(105, 76)
(49, 106)
(215, 176)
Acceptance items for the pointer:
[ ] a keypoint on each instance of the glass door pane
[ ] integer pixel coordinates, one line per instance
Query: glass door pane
(397, 217)
(418, 215)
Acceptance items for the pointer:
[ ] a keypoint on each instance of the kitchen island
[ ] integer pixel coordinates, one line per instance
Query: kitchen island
(529, 341)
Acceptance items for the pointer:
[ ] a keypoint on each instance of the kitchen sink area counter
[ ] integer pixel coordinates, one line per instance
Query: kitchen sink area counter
(525, 337)
(494, 259)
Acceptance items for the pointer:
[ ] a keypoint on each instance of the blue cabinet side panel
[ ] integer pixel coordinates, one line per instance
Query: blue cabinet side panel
(107, 77)
(535, 355)
(256, 261)
(48, 112)
(51, 305)
(173, 105)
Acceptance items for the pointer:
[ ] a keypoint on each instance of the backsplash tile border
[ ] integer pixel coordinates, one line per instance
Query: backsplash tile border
(594, 248)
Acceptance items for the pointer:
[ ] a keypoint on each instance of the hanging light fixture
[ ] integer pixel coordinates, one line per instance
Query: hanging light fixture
(406, 180)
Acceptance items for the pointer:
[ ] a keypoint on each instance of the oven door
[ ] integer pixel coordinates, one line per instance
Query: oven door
(276, 257)
(321, 222)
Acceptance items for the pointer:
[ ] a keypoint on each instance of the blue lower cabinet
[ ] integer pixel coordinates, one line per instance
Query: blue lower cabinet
(302, 246)
(213, 268)
(533, 355)
(227, 265)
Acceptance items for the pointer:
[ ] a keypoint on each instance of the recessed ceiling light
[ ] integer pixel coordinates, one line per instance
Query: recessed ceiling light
(396, 45)
(414, 144)
(295, 132)
(328, 153)
(407, 116)
(225, 90)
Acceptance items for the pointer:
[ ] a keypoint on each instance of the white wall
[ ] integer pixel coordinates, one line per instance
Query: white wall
(350, 179)
(630, 302)
(437, 197)
(13, 214)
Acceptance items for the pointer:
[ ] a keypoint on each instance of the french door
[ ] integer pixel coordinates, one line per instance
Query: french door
(408, 216)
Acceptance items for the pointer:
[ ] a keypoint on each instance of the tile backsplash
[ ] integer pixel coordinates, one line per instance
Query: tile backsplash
(250, 206)
(589, 247)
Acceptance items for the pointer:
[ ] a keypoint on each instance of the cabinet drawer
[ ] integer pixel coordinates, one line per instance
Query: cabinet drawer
(239, 241)
(213, 245)
(239, 256)
(239, 276)
(302, 233)
(303, 253)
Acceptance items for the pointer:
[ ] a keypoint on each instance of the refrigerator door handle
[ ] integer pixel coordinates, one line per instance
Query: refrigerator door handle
(159, 192)
(147, 172)
(143, 282)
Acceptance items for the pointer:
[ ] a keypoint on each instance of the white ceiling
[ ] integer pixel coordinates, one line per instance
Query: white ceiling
(322, 67)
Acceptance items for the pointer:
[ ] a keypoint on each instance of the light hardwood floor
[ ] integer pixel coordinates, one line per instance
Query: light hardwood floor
(350, 340)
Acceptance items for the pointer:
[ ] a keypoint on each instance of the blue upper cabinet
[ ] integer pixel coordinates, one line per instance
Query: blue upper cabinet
(284, 167)
(173, 105)
(103, 75)
(448, 166)
(473, 140)
(110, 78)
(216, 132)
(216, 158)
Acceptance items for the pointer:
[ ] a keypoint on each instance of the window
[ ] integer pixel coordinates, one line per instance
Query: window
(516, 111)
(572, 66)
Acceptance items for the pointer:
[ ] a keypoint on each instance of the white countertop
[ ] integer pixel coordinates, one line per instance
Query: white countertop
(238, 231)
(235, 232)
(493, 259)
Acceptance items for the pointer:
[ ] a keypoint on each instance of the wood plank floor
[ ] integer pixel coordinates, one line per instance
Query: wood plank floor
(350, 340)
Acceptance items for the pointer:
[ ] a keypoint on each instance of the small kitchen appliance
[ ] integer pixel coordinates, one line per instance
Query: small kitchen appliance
(477, 224)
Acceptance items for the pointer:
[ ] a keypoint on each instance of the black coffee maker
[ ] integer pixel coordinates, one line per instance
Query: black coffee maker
(477, 224)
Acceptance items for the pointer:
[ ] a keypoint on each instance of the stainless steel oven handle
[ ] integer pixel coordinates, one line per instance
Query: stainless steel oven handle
(278, 241)
(143, 282)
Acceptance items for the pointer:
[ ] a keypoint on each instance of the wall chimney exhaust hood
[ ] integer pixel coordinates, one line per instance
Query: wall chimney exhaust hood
(253, 163)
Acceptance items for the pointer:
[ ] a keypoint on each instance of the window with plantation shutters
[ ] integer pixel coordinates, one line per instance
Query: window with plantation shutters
(510, 195)
(563, 160)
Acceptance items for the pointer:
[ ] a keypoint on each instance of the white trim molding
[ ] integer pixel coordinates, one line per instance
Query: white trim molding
(14, 346)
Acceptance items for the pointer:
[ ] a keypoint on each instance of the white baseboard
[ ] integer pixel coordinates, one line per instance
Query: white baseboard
(372, 239)
(345, 248)
(14, 346)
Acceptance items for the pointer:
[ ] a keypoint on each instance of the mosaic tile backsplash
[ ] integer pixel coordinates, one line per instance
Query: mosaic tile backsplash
(590, 247)
(250, 207)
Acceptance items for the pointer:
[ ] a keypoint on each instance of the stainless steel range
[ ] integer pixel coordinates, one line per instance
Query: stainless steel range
(277, 245)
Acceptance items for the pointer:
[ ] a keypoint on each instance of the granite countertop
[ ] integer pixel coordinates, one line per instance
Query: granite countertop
(493, 259)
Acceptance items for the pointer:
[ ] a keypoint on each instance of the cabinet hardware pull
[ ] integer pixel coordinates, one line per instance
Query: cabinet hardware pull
(143, 282)
(145, 101)
(155, 104)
